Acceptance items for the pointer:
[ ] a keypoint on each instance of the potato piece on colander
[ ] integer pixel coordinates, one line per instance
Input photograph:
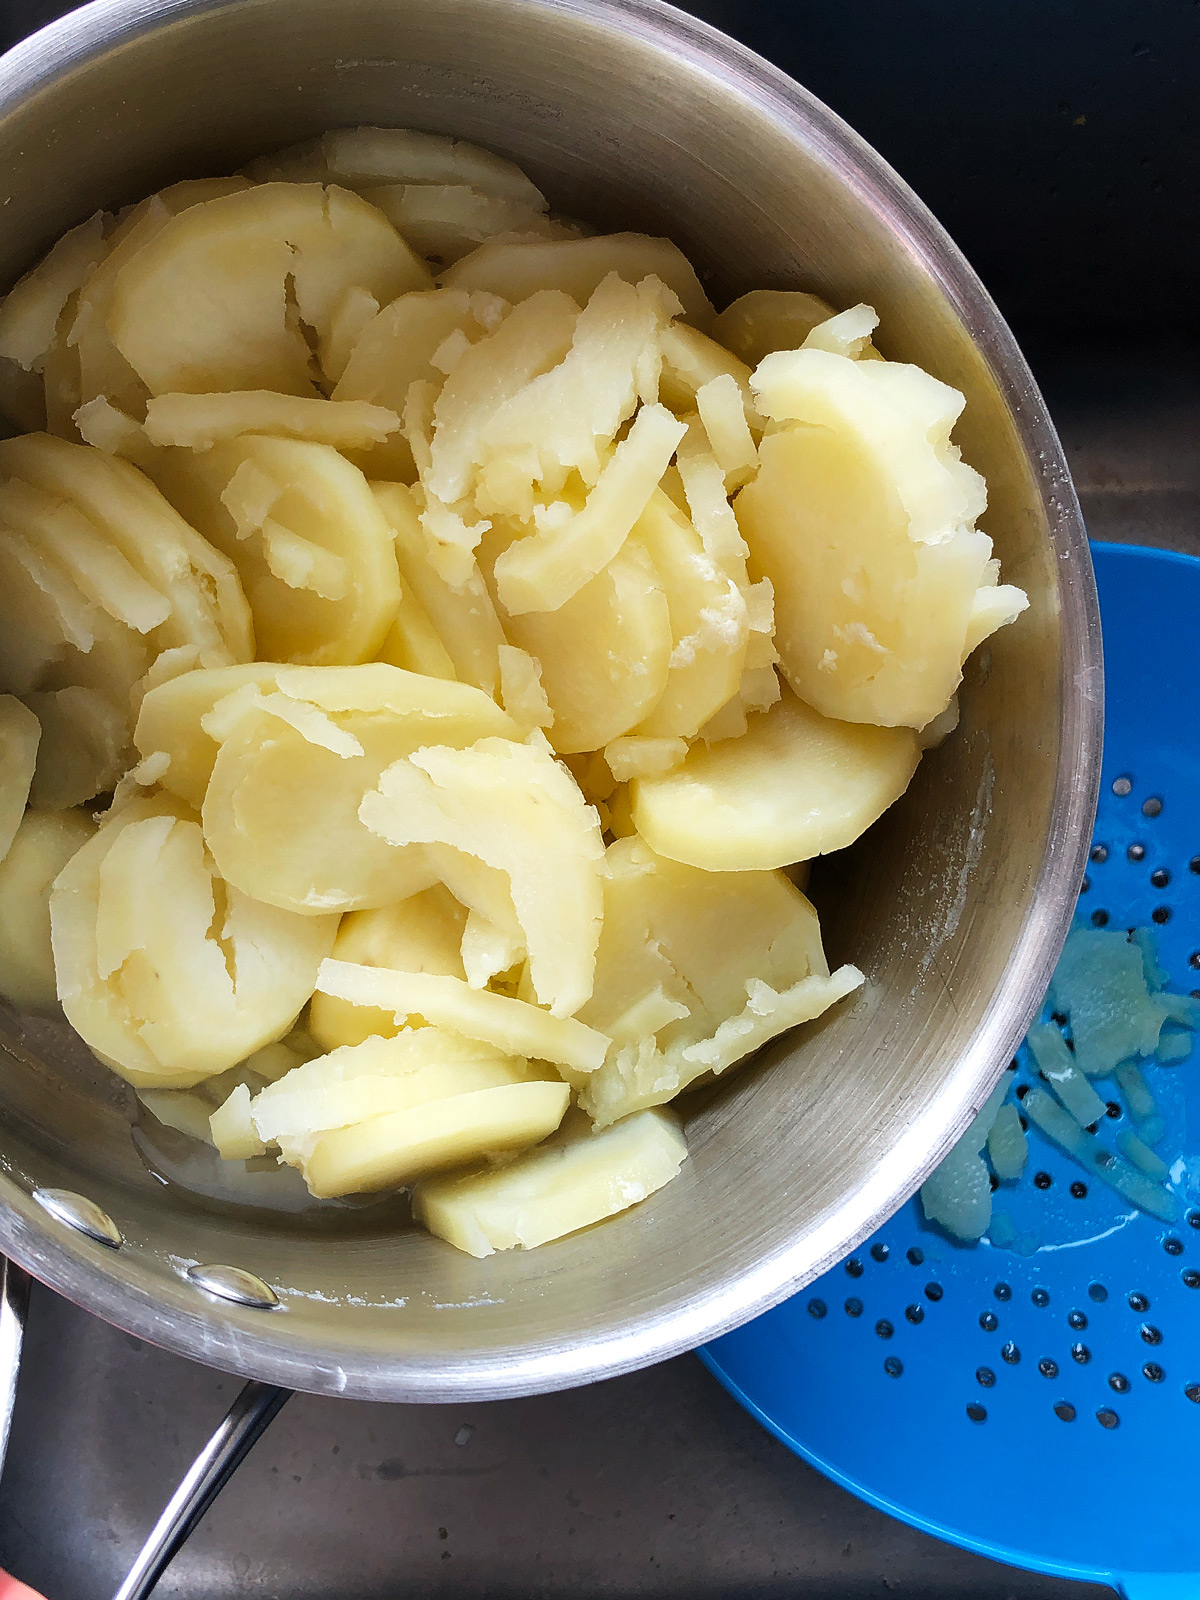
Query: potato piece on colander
(20, 733)
(45, 841)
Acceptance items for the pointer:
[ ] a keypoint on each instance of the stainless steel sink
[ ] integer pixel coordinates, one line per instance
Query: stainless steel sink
(1058, 143)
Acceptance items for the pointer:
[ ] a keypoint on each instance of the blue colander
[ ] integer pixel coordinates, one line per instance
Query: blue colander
(1042, 1408)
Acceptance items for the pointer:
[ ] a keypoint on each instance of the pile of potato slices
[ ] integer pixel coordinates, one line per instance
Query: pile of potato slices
(431, 639)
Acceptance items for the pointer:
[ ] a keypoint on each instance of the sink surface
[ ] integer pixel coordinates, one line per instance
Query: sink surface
(1059, 147)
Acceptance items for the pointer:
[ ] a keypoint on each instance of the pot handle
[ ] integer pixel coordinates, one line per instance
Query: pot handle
(14, 1303)
(247, 1419)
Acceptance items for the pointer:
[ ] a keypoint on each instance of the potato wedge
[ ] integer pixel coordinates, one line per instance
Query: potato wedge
(237, 255)
(575, 1178)
(862, 516)
(43, 844)
(301, 526)
(147, 939)
(578, 267)
(421, 934)
(796, 785)
(20, 733)
(281, 812)
(389, 1151)
(514, 808)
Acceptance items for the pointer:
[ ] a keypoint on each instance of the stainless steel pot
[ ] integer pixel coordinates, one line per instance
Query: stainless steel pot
(632, 115)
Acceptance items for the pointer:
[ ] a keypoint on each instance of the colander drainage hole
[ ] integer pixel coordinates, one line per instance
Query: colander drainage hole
(1172, 1245)
(1194, 864)
(1118, 1383)
(1122, 786)
(1097, 1291)
(1085, 884)
(1161, 914)
(1099, 919)
(1040, 1297)
(1099, 852)
(985, 1377)
(934, 1292)
(1138, 1302)
(1136, 852)
(880, 1252)
(854, 1268)
(1160, 877)
(1081, 1353)
(1193, 1393)
(817, 1309)
(1077, 1320)
(1048, 1367)
(1194, 959)
(854, 1307)
(1153, 1372)
(978, 1413)
(1152, 807)
(1002, 1291)
(916, 1256)
(1079, 1190)
(1150, 1334)
(1108, 1419)
(1191, 1277)
(1193, 1219)
(1113, 1110)
(989, 1321)
(884, 1328)
(1010, 1353)
(1064, 1410)
(893, 1366)
(1042, 1180)
(915, 1313)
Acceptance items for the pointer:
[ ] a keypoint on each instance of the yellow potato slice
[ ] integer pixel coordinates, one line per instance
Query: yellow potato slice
(237, 255)
(514, 808)
(196, 421)
(543, 571)
(30, 311)
(20, 732)
(578, 267)
(395, 350)
(378, 1076)
(461, 614)
(447, 220)
(229, 1127)
(421, 934)
(114, 667)
(43, 844)
(604, 654)
(576, 1178)
(404, 155)
(22, 397)
(389, 1151)
(413, 643)
(47, 617)
(640, 757)
(281, 812)
(170, 721)
(84, 747)
(709, 624)
(514, 1026)
(208, 607)
(301, 525)
(691, 361)
(521, 691)
(796, 785)
(862, 516)
(147, 940)
(769, 319)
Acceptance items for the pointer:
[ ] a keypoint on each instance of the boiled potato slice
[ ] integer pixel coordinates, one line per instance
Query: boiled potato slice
(301, 525)
(47, 617)
(377, 1076)
(281, 812)
(769, 319)
(709, 624)
(171, 716)
(404, 155)
(421, 934)
(446, 220)
(389, 1151)
(395, 350)
(691, 361)
(30, 311)
(521, 691)
(640, 757)
(114, 667)
(196, 421)
(578, 267)
(543, 571)
(169, 975)
(84, 747)
(605, 653)
(44, 842)
(862, 516)
(237, 256)
(208, 607)
(461, 614)
(796, 785)
(513, 1026)
(576, 1178)
(514, 808)
(20, 732)
(22, 397)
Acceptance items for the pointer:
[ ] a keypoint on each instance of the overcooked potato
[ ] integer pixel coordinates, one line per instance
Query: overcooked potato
(169, 974)
(422, 595)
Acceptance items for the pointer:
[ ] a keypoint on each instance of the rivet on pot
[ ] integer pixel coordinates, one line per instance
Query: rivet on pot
(234, 1283)
(84, 1215)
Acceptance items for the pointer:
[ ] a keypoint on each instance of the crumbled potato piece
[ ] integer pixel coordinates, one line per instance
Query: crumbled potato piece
(514, 808)
(421, 934)
(44, 842)
(862, 516)
(168, 974)
(237, 255)
(795, 785)
(299, 522)
(577, 267)
(576, 1178)
(20, 733)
